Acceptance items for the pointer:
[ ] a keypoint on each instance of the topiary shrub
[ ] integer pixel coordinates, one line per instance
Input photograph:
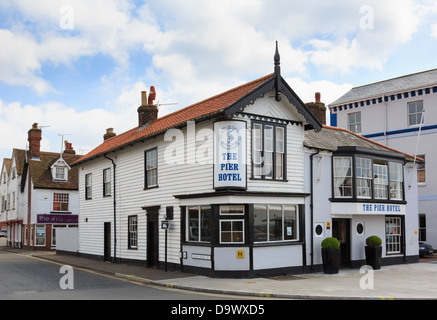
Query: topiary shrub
(330, 243)
(373, 241)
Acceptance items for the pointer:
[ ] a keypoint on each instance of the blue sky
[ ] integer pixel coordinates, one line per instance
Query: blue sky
(78, 66)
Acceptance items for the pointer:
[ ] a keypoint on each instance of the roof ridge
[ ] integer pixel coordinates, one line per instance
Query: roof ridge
(217, 96)
(370, 140)
(395, 78)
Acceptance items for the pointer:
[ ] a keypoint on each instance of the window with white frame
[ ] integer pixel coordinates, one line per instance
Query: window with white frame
(60, 173)
(268, 151)
(107, 182)
(275, 223)
(60, 201)
(393, 234)
(40, 235)
(396, 181)
(380, 179)
(364, 177)
(199, 223)
(133, 232)
(151, 170)
(354, 122)
(342, 177)
(88, 186)
(415, 113)
(232, 231)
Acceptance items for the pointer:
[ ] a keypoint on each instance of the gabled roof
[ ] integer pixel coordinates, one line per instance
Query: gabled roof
(226, 103)
(7, 165)
(391, 86)
(333, 138)
(41, 174)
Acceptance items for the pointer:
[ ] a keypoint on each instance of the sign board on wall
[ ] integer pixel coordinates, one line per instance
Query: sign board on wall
(230, 155)
(57, 218)
(368, 208)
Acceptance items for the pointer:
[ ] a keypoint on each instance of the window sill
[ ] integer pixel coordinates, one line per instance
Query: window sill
(264, 179)
(152, 187)
(60, 212)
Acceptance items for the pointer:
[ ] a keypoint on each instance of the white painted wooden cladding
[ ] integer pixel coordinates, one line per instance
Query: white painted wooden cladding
(173, 179)
(131, 197)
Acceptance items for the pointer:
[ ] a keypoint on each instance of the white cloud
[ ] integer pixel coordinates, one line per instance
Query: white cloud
(372, 41)
(329, 91)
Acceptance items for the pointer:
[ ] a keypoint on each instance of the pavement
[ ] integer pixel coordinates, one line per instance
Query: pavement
(396, 282)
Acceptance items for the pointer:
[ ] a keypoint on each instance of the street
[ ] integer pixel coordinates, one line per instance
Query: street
(29, 278)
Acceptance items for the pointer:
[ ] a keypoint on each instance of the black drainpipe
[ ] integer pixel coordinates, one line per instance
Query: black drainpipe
(312, 209)
(115, 220)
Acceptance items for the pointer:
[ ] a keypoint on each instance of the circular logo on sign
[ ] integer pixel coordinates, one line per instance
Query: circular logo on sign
(229, 137)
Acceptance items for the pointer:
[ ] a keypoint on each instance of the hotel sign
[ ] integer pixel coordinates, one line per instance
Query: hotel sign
(230, 155)
(368, 208)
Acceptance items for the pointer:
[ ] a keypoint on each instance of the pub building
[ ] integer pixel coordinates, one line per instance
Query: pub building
(245, 183)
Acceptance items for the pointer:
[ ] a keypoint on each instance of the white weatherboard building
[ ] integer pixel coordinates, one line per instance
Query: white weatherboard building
(400, 113)
(239, 185)
(39, 194)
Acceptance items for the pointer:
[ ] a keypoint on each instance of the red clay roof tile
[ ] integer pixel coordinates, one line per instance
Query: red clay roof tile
(205, 108)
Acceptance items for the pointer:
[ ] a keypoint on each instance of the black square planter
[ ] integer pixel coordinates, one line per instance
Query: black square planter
(331, 260)
(373, 256)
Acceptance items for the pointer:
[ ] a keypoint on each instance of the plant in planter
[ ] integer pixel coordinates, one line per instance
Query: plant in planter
(331, 255)
(373, 251)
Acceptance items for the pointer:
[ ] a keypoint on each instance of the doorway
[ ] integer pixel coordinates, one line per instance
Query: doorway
(341, 231)
(107, 241)
(152, 238)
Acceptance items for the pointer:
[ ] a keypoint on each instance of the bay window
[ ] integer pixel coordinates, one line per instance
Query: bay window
(371, 178)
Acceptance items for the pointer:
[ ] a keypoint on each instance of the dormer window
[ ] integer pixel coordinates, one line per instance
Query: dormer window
(60, 170)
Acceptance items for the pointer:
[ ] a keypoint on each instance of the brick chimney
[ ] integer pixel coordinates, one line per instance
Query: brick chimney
(147, 112)
(109, 134)
(318, 109)
(34, 137)
(68, 148)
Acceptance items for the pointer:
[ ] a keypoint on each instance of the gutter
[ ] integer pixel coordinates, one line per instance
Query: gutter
(115, 211)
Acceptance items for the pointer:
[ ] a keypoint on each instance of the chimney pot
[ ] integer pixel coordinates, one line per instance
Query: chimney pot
(109, 134)
(143, 98)
(317, 97)
(147, 112)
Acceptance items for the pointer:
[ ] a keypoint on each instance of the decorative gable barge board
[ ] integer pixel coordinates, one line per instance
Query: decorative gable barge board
(268, 86)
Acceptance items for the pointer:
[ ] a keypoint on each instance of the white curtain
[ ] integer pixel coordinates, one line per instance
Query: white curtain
(342, 165)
